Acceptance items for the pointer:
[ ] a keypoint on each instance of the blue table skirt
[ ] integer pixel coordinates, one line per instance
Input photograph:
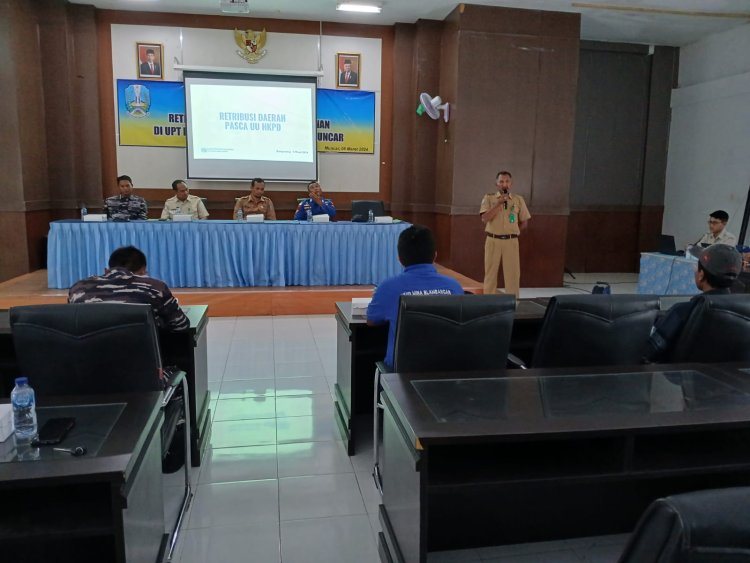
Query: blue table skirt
(230, 253)
(661, 274)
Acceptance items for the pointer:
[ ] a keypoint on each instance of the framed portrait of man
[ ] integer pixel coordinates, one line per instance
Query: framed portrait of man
(348, 70)
(150, 60)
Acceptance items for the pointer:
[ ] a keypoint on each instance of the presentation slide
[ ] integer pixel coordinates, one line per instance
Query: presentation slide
(245, 126)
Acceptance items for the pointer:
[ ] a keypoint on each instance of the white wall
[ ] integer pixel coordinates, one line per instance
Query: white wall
(708, 165)
(156, 167)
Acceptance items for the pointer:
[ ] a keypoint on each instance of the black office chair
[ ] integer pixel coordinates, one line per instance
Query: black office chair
(697, 527)
(101, 348)
(361, 209)
(595, 330)
(446, 333)
(717, 330)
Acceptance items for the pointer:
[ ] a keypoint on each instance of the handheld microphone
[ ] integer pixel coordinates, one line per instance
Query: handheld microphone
(505, 203)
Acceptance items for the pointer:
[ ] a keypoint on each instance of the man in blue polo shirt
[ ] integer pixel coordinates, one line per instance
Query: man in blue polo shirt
(416, 252)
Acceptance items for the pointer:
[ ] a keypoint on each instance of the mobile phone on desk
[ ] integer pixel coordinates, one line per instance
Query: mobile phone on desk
(54, 431)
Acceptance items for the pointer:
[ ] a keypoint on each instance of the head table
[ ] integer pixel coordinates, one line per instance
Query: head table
(230, 253)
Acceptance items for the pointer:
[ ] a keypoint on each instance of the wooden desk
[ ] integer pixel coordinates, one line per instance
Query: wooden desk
(104, 506)
(359, 346)
(540, 456)
(187, 350)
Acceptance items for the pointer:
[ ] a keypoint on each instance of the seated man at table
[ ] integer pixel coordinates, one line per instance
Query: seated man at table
(126, 206)
(316, 204)
(256, 203)
(126, 281)
(416, 252)
(717, 231)
(182, 203)
(718, 268)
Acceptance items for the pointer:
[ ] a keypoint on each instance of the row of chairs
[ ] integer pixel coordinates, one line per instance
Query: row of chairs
(472, 333)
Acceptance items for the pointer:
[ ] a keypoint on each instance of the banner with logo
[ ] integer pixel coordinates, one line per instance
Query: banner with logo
(151, 114)
(346, 121)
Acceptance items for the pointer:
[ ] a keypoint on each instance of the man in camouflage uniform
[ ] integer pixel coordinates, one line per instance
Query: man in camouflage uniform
(256, 203)
(125, 281)
(126, 206)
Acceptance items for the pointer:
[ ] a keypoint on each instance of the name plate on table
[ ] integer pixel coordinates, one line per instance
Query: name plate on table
(182, 217)
(324, 218)
(254, 218)
(384, 219)
(95, 218)
(359, 306)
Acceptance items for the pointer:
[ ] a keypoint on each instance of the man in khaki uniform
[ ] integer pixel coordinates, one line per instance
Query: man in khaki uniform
(505, 216)
(256, 202)
(182, 203)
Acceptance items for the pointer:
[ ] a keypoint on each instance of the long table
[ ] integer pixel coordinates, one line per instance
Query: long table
(501, 458)
(230, 253)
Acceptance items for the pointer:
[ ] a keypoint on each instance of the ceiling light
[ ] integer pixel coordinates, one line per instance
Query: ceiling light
(362, 8)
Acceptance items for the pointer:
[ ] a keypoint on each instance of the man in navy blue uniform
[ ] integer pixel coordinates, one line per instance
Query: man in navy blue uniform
(416, 252)
(316, 203)
(718, 268)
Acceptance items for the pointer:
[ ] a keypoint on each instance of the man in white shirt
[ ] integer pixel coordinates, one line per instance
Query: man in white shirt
(717, 232)
(183, 203)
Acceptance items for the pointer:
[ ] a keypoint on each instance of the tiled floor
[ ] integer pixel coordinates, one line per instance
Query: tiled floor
(277, 485)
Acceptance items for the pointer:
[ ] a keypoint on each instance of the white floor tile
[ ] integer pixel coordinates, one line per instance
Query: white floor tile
(248, 463)
(304, 368)
(243, 388)
(236, 505)
(246, 409)
(312, 458)
(259, 543)
(306, 405)
(290, 386)
(306, 429)
(346, 539)
(251, 370)
(234, 433)
(319, 495)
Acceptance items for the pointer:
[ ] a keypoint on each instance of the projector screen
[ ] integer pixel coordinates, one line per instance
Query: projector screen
(242, 126)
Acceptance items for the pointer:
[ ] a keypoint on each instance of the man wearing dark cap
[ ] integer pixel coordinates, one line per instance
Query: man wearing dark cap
(717, 232)
(718, 268)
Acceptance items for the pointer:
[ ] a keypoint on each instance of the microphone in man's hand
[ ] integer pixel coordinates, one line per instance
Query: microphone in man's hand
(505, 203)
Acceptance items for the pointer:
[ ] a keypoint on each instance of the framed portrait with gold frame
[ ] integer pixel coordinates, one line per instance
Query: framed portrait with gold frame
(150, 60)
(348, 70)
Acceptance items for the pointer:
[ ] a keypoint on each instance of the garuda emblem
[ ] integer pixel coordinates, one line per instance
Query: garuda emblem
(251, 44)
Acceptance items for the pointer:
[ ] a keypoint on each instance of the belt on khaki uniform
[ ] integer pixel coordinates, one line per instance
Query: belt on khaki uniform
(502, 237)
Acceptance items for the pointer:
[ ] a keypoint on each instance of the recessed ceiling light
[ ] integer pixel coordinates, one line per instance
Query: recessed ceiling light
(355, 7)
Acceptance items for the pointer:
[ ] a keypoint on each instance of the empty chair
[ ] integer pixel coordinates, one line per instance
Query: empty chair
(592, 330)
(361, 208)
(717, 330)
(447, 333)
(697, 527)
(98, 349)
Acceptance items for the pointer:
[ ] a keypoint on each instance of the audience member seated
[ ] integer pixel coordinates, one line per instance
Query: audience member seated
(126, 205)
(256, 203)
(718, 268)
(182, 203)
(416, 252)
(126, 281)
(316, 204)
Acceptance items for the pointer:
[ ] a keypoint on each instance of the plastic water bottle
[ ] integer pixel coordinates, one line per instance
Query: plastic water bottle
(370, 216)
(238, 215)
(84, 211)
(24, 411)
(309, 214)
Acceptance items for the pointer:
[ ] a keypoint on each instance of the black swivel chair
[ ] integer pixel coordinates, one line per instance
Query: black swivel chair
(697, 527)
(362, 207)
(100, 348)
(446, 333)
(717, 330)
(595, 330)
